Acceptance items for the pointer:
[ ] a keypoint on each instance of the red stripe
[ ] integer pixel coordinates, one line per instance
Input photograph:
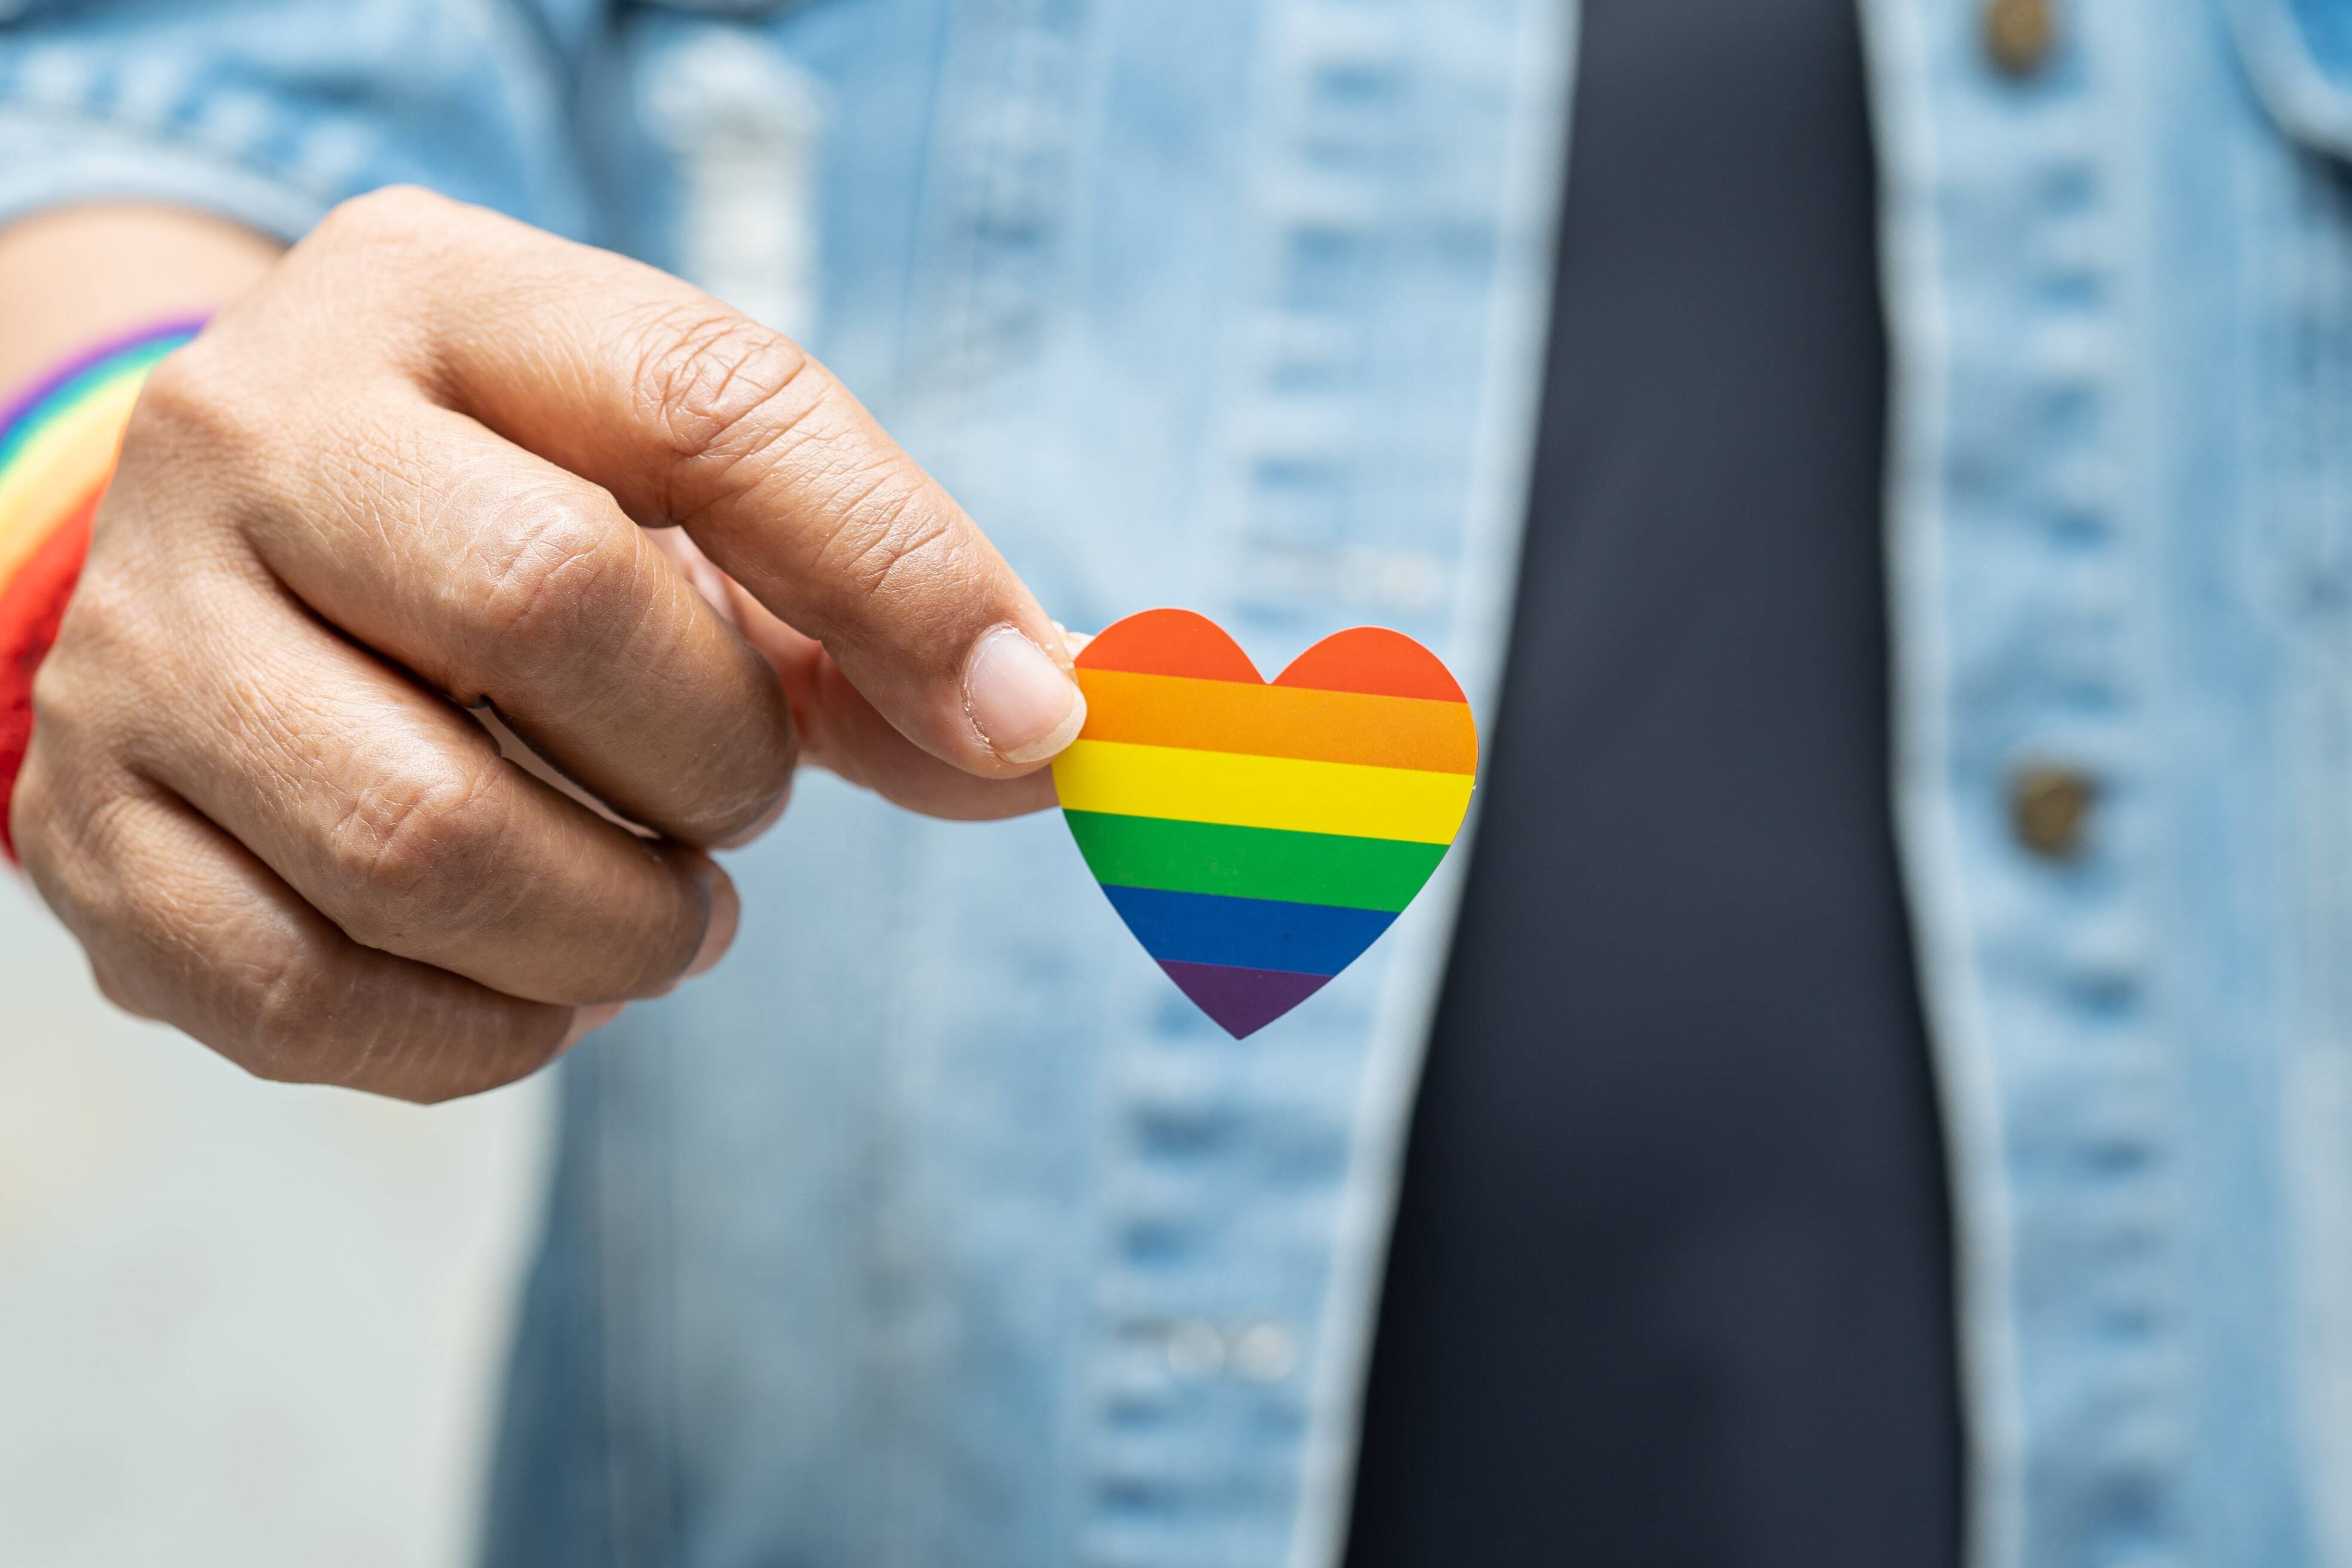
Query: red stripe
(1373, 661)
(1170, 642)
(31, 606)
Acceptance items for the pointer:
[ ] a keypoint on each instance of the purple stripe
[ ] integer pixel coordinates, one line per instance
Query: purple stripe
(1243, 1001)
(41, 391)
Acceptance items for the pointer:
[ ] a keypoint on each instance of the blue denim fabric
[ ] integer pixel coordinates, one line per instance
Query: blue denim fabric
(935, 1227)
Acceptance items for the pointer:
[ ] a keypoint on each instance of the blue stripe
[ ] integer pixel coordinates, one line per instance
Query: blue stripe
(1247, 933)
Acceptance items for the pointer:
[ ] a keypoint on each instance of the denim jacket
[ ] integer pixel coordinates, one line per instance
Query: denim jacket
(935, 1227)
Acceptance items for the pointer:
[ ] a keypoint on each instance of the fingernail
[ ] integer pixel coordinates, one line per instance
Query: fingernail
(1024, 705)
(586, 1021)
(725, 914)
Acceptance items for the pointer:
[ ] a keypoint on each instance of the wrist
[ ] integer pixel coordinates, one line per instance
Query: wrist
(58, 439)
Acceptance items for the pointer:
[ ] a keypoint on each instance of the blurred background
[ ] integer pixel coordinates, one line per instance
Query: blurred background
(239, 1324)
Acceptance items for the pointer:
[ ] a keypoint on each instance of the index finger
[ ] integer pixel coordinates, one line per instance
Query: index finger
(691, 412)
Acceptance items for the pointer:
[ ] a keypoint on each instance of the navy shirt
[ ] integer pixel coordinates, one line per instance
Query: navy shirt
(1671, 1281)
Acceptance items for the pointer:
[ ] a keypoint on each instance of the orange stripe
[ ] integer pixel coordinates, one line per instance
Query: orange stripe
(1279, 722)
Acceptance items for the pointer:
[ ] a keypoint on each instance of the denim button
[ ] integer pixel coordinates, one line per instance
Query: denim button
(2050, 807)
(1196, 1347)
(1266, 1353)
(2018, 34)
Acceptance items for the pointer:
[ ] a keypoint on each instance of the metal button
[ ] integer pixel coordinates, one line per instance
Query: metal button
(1266, 1353)
(2018, 34)
(2050, 807)
(1196, 1347)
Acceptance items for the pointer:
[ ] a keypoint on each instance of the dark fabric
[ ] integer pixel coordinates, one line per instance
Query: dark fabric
(1671, 1282)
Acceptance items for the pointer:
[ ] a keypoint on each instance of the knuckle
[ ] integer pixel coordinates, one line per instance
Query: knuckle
(396, 210)
(54, 704)
(115, 683)
(324, 1018)
(180, 383)
(545, 589)
(709, 372)
(308, 1017)
(117, 988)
(185, 392)
(70, 824)
(288, 1015)
(387, 254)
(200, 404)
(90, 671)
(128, 972)
(414, 854)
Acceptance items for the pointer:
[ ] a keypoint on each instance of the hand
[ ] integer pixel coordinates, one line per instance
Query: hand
(412, 473)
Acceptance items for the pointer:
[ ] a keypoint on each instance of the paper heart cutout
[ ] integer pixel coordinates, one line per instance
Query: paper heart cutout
(1257, 837)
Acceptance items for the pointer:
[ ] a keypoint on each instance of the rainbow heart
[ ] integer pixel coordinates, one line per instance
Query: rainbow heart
(1257, 837)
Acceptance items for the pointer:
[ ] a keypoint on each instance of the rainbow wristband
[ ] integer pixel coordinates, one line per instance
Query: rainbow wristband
(58, 442)
(58, 447)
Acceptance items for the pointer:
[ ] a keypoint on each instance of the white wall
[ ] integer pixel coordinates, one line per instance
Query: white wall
(240, 1323)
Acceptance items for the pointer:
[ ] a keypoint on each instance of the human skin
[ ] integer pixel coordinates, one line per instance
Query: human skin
(432, 466)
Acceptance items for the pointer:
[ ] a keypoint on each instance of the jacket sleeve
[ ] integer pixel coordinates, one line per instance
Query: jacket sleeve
(270, 111)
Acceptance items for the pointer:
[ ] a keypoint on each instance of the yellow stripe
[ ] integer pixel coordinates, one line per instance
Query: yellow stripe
(56, 470)
(1241, 790)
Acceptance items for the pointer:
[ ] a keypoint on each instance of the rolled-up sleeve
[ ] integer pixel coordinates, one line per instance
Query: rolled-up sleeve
(270, 111)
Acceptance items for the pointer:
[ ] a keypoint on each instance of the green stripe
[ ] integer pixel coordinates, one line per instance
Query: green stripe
(1253, 862)
(130, 364)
